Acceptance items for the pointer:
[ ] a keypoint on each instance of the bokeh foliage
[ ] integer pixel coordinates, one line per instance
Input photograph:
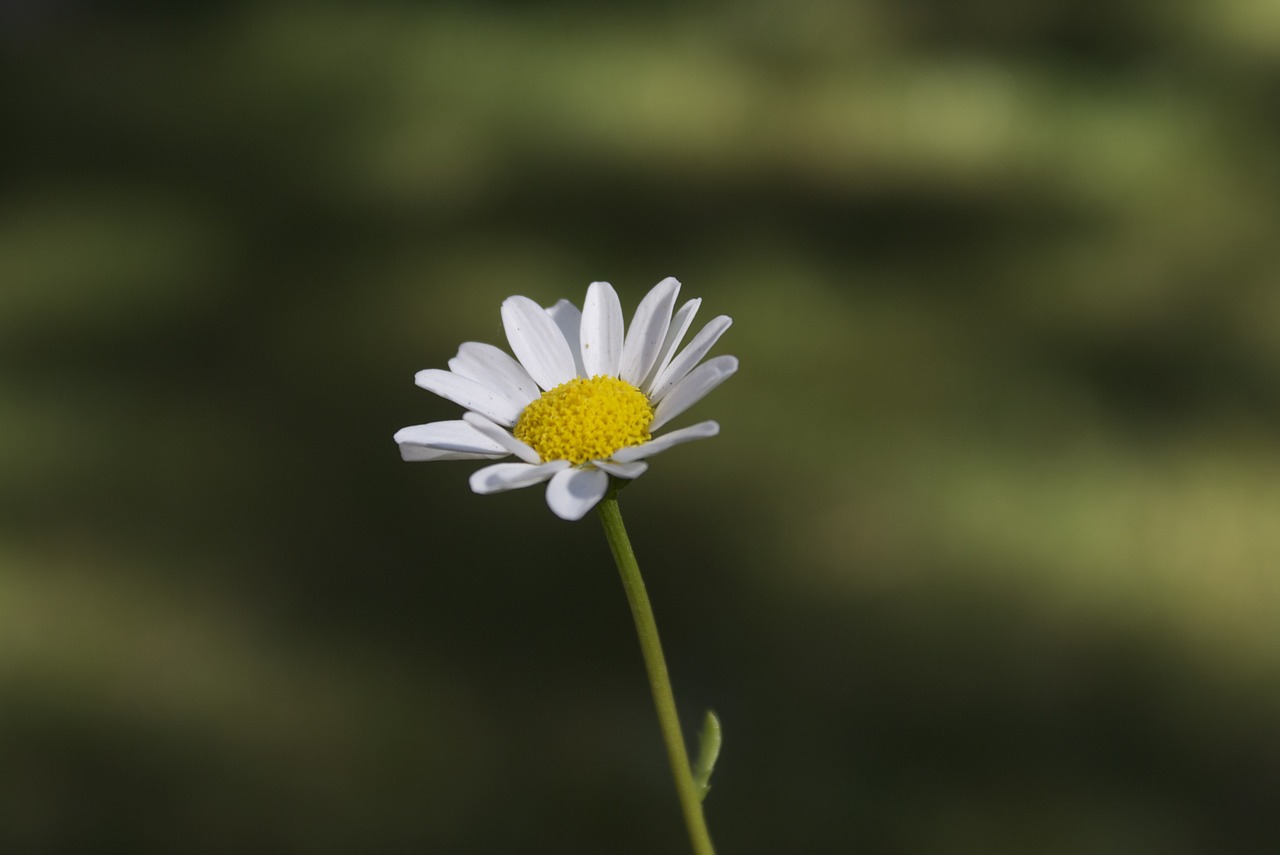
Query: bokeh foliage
(984, 561)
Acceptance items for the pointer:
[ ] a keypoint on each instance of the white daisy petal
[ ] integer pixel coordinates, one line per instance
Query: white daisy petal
(693, 388)
(602, 330)
(422, 454)
(451, 440)
(573, 492)
(675, 334)
(512, 476)
(496, 369)
(647, 331)
(499, 435)
(622, 470)
(470, 394)
(702, 430)
(569, 320)
(689, 357)
(537, 342)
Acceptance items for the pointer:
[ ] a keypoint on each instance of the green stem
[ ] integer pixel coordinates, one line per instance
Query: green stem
(656, 665)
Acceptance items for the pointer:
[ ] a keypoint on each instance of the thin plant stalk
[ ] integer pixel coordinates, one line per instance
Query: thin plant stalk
(656, 666)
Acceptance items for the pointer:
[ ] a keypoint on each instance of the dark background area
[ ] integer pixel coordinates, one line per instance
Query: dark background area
(983, 561)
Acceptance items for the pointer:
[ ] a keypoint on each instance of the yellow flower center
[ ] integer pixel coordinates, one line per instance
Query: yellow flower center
(585, 420)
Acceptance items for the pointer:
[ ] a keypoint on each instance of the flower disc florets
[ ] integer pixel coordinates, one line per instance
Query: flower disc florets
(585, 420)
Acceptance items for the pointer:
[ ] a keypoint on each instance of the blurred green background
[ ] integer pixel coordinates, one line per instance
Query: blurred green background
(984, 561)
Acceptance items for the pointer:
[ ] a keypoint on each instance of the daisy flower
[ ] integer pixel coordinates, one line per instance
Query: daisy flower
(580, 401)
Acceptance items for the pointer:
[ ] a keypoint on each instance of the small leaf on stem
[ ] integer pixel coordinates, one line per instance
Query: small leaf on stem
(708, 752)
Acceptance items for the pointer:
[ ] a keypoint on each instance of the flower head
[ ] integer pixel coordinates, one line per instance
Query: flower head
(580, 401)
